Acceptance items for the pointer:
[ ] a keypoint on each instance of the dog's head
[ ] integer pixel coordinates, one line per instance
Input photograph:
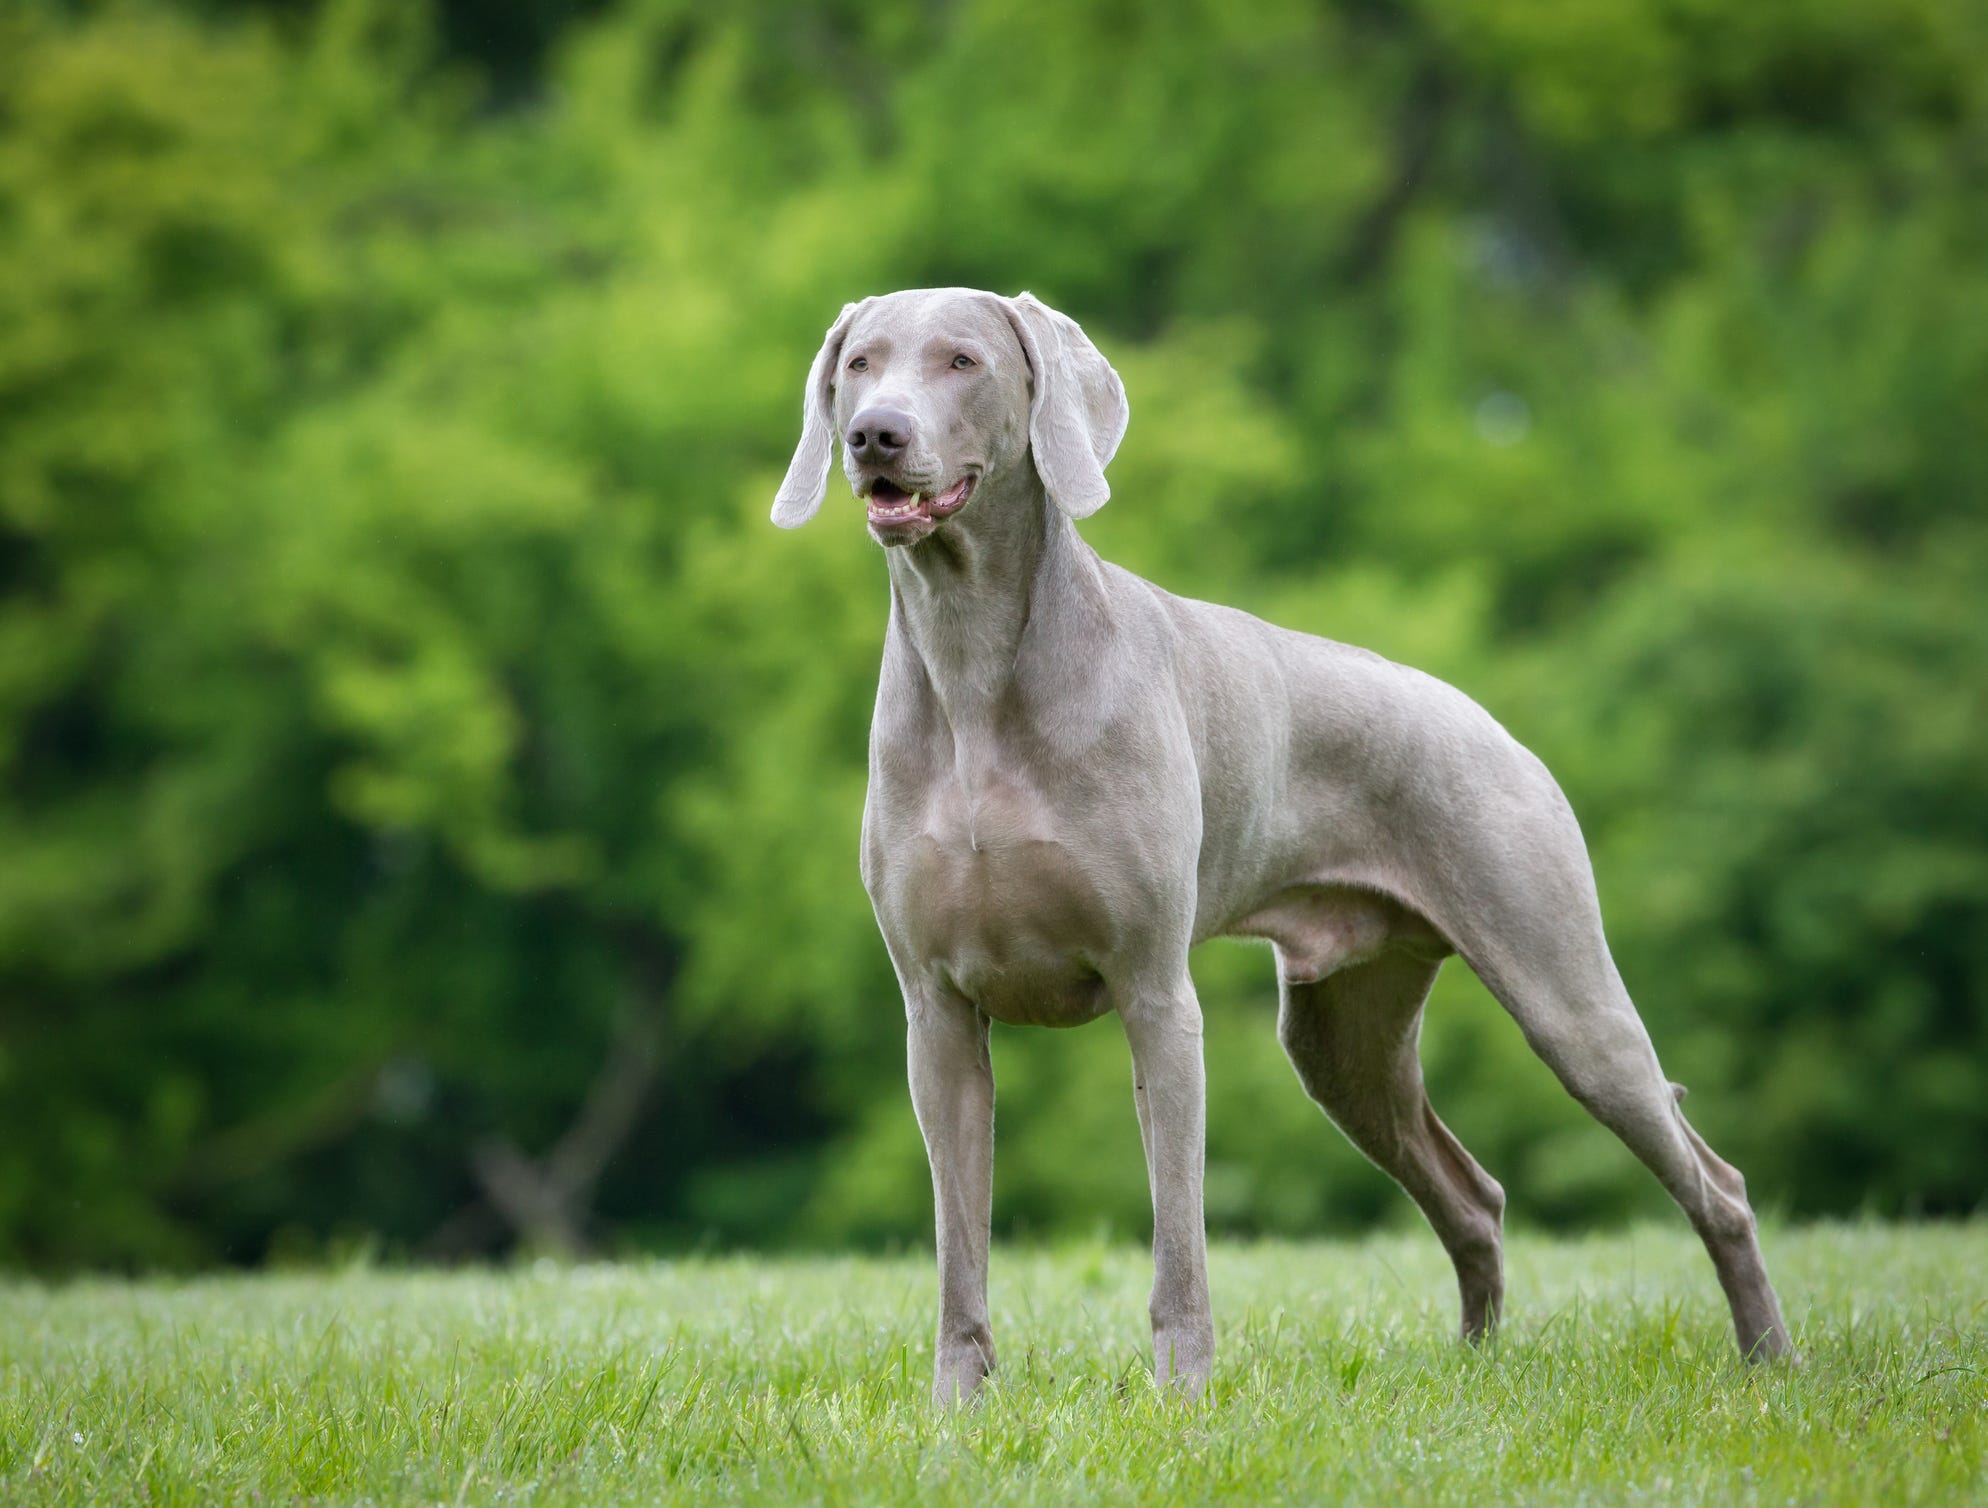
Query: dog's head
(938, 393)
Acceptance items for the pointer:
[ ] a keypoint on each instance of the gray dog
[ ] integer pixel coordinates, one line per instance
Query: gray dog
(1075, 777)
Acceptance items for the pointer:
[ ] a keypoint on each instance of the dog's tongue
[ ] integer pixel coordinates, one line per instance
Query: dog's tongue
(950, 499)
(890, 503)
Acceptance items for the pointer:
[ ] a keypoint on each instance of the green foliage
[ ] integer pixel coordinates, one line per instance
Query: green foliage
(404, 706)
(744, 1380)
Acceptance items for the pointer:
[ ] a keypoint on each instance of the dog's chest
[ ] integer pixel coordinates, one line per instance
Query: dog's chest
(978, 884)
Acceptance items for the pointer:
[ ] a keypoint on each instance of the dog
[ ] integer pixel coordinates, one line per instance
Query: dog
(1076, 776)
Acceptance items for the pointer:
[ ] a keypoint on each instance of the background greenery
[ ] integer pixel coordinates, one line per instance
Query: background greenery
(428, 788)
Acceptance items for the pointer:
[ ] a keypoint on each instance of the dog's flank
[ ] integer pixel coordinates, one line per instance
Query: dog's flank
(1075, 776)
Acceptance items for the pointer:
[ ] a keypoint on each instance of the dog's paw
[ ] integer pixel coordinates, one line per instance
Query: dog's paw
(962, 1366)
(1771, 1347)
(1183, 1358)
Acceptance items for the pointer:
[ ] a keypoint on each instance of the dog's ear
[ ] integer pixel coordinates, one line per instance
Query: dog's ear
(806, 484)
(1077, 409)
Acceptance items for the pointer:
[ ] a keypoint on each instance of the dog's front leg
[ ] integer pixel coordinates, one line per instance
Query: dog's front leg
(1168, 1084)
(952, 1089)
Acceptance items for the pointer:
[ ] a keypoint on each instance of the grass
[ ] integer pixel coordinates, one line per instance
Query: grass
(767, 1381)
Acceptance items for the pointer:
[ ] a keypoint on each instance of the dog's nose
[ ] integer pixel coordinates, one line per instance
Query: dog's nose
(879, 434)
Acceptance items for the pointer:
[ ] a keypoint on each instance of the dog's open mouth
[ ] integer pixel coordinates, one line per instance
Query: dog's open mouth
(894, 510)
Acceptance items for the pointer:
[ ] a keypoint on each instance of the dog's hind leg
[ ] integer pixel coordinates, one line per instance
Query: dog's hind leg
(1352, 1038)
(1576, 1014)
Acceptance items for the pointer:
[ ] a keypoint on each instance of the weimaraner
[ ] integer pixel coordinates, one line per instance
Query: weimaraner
(1076, 776)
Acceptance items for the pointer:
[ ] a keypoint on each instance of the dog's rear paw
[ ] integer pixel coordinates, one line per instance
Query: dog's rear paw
(1771, 1348)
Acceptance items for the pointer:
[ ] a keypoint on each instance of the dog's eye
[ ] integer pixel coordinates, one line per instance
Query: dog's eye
(963, 362)
(860, 364)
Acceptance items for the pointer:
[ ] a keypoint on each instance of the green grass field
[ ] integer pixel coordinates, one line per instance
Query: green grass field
(760, 1381)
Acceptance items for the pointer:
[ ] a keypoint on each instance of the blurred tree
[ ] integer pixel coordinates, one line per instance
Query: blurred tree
(428, 790)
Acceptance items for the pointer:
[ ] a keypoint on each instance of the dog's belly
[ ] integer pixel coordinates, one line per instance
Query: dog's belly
(1001, 912)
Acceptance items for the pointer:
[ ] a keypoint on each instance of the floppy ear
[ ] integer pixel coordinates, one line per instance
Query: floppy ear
(1077, 410)
(800, 495)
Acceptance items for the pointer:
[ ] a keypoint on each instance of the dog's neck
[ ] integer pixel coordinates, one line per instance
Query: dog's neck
(963, 600)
